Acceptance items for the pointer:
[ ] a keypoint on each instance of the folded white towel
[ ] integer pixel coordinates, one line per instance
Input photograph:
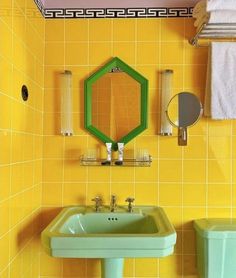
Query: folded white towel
(215, 5)
(218, 16)
(220, 97)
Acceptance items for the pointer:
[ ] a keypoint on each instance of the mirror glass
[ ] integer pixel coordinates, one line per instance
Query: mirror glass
(115, 103)
(184, 110)
(116, 106)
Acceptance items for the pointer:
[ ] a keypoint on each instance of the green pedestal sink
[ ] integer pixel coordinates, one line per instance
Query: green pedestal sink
(80, 232)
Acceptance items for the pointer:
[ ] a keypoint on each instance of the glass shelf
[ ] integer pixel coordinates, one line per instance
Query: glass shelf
(128, 162)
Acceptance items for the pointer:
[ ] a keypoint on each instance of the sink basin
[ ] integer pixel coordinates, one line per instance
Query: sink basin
(80, 232)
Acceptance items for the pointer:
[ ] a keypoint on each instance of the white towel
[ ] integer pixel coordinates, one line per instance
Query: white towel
(219, 5)
(218, 16)
(220, 97)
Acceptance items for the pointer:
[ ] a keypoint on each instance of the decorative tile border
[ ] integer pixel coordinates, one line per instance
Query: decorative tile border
(162, 12)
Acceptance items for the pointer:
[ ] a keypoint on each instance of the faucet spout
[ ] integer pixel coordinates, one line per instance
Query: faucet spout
(113, 203)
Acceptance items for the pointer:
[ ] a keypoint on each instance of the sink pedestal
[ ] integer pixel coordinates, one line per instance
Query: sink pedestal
(112, 268)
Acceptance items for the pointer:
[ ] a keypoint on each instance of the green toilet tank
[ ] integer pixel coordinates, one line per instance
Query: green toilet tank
(216, 247)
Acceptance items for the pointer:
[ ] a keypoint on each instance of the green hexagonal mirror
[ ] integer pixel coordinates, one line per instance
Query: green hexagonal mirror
(116, 100)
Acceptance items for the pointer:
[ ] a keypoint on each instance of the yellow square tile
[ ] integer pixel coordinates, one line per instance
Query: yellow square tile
(219, 147)
(52, 170)
(73, 172)
(219, 195)
(194, 194)
(146, 267)
(190, 214)
(4, 182)
(168, 148)
(234, 147)
(195, 55)
(148, 143)
(75, 147)
(6, 82)
(194, 171)
(52, 76)
(76, 53)
(98, 189)
(6, 45)
(125, 174)
(171, 266)
(74, 194)
(170, 170)
(153, 27)
(147, 174)
(4, 210)
(53, 147)
(147, 53)
(5, 147)
(129, 267)
(99, 52)
(219, 171)
(172, 53)
(6, 16)
(190, 266)
(100, 30)
(189, 246)
(54, 53)
(172, 29)
(193, 152)
(74, 267)
(93, 268)
(194, 76)
(16, 215)
(50, 266)
(52, 194)
(54, 30)
(52, 124)
(4, 245)
(124, 30)
(219, 128)
(234, 126)
(146, 194)
(52, 101)
(170, 194)
(175, 216)
(99, 174)
(125, 51)
(122, 191)
(150, 73)
(76, 30)
(219, 212)
(17, 178)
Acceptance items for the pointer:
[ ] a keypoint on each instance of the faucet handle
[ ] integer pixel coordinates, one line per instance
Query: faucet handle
(130, 200)
(98, 202)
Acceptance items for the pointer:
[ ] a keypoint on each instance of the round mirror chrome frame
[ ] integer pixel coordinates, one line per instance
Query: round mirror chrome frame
(113, 65)
(182, 130)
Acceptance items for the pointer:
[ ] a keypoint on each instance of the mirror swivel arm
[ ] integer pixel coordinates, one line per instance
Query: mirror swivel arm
(182, 136)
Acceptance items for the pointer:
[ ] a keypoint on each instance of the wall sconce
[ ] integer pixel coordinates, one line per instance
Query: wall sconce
(66, 103)
(166, 93)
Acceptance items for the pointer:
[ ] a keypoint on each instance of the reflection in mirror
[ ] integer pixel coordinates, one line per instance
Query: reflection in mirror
(183, 111)
(116, 104)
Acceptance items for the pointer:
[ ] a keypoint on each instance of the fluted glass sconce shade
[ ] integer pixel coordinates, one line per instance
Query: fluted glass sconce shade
(166, 93)
(66, 104)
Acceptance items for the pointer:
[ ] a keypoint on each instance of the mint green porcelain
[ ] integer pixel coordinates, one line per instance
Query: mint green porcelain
(216, 247)
(80, 232)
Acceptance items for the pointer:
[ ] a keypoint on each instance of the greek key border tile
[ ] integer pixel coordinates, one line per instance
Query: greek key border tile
(115, 12)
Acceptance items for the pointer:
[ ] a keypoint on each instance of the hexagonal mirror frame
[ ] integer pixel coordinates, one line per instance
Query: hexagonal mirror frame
(115, 63)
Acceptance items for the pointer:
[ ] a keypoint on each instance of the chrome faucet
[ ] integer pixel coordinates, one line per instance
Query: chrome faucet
(98, 203)
(130, 201)
(113, 203)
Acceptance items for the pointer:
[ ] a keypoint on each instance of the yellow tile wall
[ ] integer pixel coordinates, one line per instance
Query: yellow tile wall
(190, 182)
(21, 130)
